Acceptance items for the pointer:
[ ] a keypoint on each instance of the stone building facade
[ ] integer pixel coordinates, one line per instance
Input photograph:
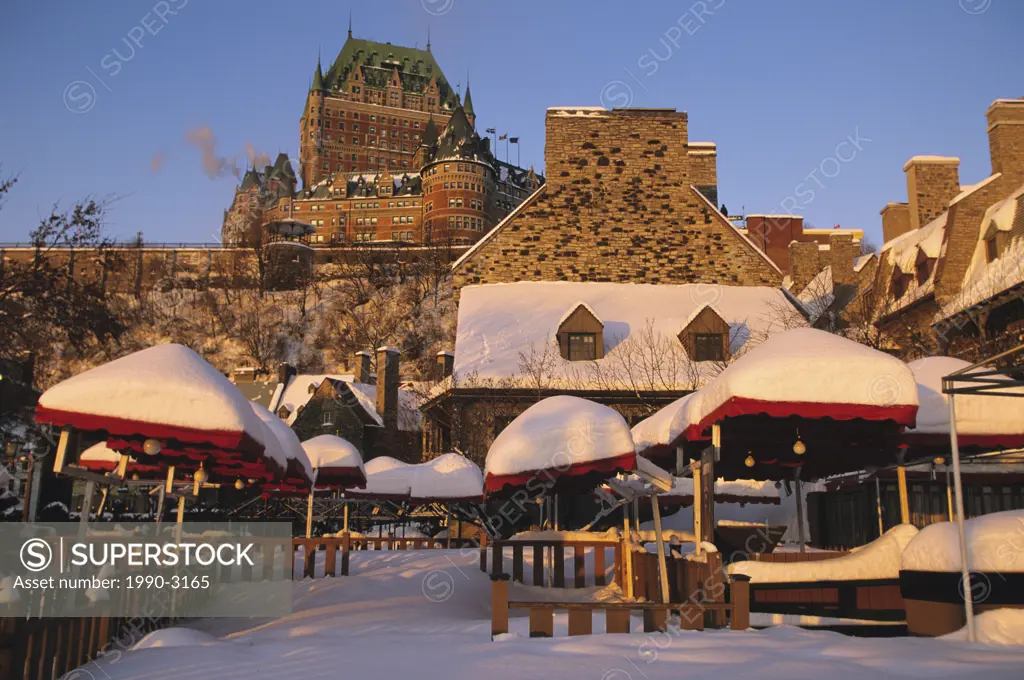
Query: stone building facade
(372, 127)
(628, 198)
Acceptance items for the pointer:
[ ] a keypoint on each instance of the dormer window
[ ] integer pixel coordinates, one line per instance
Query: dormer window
(900, 284)
(923, 267)
(706, 335)
(991, 249)
(581, 334)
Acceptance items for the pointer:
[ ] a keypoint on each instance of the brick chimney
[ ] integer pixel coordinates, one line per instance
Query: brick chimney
(1006, 140)
(895, 220)
(932, 182)
(387, 385)
(445, 364)
(285, 372)
(842, 251)
(363, 373)
(803, 264)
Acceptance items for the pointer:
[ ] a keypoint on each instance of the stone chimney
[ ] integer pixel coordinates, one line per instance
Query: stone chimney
(363, 373)
(1006, 140)
(895, 220)
(842, 251)
(445, 364)
(387, 385)
(932, 182)
(285, 372)
(803, 264)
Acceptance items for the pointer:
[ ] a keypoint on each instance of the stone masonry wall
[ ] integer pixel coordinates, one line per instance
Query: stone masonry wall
(895, 220)
(618, 206)
(1006, 140)
(931, 185)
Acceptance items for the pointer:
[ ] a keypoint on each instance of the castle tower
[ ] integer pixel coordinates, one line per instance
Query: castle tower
(458, 183)
(312, 139)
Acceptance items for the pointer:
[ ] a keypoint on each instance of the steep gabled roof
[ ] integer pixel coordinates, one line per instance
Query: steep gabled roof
(376, 62)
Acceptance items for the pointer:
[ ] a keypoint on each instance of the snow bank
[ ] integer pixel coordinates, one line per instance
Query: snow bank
(335, 460)
(809, 373)
(879, 559)
(562, 435)
(995, 543)
(450, 476)
(980, 418)
(166, 391)
(611, 535)
(995, 627)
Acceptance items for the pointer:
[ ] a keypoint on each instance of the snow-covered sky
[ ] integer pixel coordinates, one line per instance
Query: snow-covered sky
(779, 86)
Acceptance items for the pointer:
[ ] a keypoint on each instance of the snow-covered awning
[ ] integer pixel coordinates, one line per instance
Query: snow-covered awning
(558, 438)
(284, 447)
(337, 462)
(983, 422)
(387, 479)
(810, 374)
(450, 477)
(168, 393)
(656, 437)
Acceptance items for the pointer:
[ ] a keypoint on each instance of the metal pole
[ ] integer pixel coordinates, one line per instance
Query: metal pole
(957, 483)
(554, 503)
(627, 554)
(698, 504)
(159, 508)
(800, 511)
(345, 508)
(949, 494)
(83, 520)
(181, 518)
(660, 541)
(448, 523)
(901, 478)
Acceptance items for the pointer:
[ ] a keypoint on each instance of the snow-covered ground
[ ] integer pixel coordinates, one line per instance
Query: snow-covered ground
(426, 614)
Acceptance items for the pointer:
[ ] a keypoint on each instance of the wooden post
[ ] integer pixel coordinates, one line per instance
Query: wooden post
(309, 515)
(499, 604)
(64, 446)
(624, 558)
(517, 561)
(483, 550)
(448, 524)
(345, 512)
(581, 621)
(538, 564)
(949, 496)
(616, 621)
(878, 505)
(708, 459)
(740, 596)
(799, 510)
(542, 621)
(660, 542)
(680, 461)
(83, 521)
(346, 547)
(698, 505)
(599, 579)
(181, 518)
(579, 567)
(330, 557)
(901, 477)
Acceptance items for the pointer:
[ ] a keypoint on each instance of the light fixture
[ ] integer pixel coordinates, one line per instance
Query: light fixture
(135, 476)
(239, 484)
(201, 476)
(749, 461)
(799, 448)
(12, 448)
(939, 460)
(151, 447)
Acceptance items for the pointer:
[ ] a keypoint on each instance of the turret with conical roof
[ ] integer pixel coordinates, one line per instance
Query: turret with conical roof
(467, 106)
(318, 78)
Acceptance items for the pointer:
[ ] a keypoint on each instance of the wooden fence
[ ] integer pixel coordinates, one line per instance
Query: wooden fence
(337, 549)
(550, 556)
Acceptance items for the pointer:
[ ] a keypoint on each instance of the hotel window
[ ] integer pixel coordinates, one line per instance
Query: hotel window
(582, 347)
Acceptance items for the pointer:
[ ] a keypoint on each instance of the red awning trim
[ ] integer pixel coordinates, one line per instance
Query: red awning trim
(741, 406)
(131, 430)
(980, 441)
(687, 500)
(340, 477)
(622, 463)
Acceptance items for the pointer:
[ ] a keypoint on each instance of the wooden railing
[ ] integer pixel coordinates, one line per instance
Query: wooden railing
(814, 556)
(550, 556)
(333, 546)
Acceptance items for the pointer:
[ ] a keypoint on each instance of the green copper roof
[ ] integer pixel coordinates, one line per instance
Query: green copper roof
(430, 132)
(378, 60)
(318, 78)
(468, 104)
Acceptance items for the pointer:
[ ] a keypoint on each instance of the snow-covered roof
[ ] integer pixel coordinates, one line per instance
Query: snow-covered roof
(557, 436)
(501, 324)
(733, 491)
(941, 160)
(819, 294)
(330, 455)
(810, 373)
(981, 419)
(449, 477)
(664, 428)
(860, 262)
(992, 542)
(301, 387)
(386, 478)
(164, 392)
(288, 453)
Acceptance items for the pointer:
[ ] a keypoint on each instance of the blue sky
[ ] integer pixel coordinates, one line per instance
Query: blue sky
(778, 85)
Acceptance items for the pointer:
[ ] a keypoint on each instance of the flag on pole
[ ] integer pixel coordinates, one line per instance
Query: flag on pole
(490, 131)
(514, 140)
(504, 136)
